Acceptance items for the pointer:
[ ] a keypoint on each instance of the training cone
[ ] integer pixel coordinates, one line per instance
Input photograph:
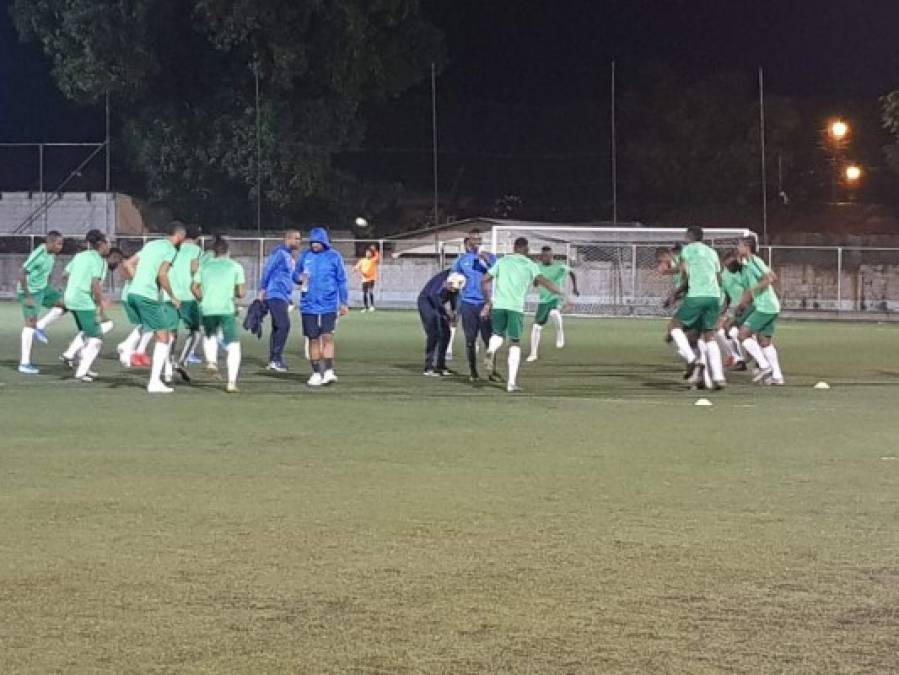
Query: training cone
(822, 385)
(703, 401)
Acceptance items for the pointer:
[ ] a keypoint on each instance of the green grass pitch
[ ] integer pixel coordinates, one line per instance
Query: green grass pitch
(392, 523)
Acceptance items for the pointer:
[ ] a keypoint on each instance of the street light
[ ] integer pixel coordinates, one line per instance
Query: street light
(838, 130)
(853, 173)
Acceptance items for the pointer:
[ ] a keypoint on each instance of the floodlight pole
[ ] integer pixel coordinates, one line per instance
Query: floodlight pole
(762, 143)
(108, 166)
(258, 154)
(614, 154)
(434, 134)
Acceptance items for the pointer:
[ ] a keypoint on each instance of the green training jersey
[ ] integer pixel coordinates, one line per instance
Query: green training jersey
(513, 276)
(217, 279)
(703, 267)
(149, 260)
(181, 275)
(557, 273)
(82, 270)
(677, 277)
(206, 256)
(765, 301)
(39, 267)
(732, 285)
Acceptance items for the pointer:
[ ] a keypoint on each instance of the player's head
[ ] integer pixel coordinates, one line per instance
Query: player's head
(747, 247)
(97, 241)
(293, 240)
(694, 233)
(191, 232)
(474, 238)
(520, 246)
(176, 232)
(664, 258)
(114, 257)
(369, 253)
(677, 248)
(731, 262)
(220, 247)
(54, 242)
(546, 255)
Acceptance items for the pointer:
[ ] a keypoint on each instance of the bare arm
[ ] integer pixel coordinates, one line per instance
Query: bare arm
(763, 283)
(163, 280)
(130, 266)
(23, 280)
(240, 291)
(541, 280)
(487, 288)
(97, 292)
(197, 291)
(574, 283)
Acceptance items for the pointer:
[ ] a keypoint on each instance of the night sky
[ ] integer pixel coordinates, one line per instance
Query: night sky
(537, 54)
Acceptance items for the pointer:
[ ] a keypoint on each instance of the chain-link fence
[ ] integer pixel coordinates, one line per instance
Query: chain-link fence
(614, 279)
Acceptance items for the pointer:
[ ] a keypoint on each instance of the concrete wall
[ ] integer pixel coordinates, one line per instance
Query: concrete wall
(69, 212)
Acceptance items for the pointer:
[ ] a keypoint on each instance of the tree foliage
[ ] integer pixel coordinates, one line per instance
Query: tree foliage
(182, 75)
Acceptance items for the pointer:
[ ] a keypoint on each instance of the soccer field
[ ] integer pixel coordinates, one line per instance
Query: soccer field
(598, 522)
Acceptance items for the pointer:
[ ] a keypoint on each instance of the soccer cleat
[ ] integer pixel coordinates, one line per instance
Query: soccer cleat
(474, 378)
(761, 374)
(231, 388)
(445, 372)
(371, 309)
(719, 384)
(41, 336)
(513, 388)
(697, 376)
(69, 362)
(315, 380)
(329, 377)
(690, 372)
(739, 366)
(86, 378)
(531, 358)
(140, 361)
(28, 369)
(775, 381)
(182, 373)
(560, 342)
(277, 366)
(193, 360)
(430, 372)
(158, 388)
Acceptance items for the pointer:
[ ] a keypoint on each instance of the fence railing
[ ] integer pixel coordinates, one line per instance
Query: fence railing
(617, 279)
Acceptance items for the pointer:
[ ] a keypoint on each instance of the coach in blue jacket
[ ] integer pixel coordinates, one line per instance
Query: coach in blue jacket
(322, 277)
(276, 288)
(474, 264)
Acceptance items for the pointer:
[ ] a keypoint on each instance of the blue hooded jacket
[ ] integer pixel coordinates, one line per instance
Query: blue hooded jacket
(326, 290)
(277, 276)
(473, 268)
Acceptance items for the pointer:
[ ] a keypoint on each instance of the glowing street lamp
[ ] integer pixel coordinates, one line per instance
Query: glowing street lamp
(838, 130)
(853, 173)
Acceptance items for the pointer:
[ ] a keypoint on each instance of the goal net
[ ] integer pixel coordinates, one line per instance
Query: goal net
(615, 266)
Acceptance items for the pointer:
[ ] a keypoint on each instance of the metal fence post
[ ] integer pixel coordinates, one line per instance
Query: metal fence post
(261, 258)
(633, 274)
(839, 279)
(379, 286)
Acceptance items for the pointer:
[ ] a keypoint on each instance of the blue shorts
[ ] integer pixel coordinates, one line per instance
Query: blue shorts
(316, 325)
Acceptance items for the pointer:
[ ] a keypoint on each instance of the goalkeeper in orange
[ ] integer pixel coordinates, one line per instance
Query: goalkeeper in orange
(367, 268)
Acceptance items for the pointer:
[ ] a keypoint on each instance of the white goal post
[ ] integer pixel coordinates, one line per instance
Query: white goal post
(615, 266)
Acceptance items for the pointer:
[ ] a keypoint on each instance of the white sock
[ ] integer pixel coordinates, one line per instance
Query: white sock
(127, 346)
(27, 340)
(189, 346)
(713, 355)
(144, 341)
(755, 351)
(233, 362)
(723, 343)
(493, 346)
(733, 336)
(168, 368)
(452, 338)
(88, 355)
(160, 358)
(683, 345)
(106, 327)
(556, 317)
(703, 347)
(514, 360)
(771, 354)
(536, 332)
(75, 346)
(53, 315)
(211, 350)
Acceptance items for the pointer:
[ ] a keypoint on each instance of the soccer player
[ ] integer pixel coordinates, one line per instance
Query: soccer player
(33, 292)
(442, 290)
(473, 265)
(217, 284)
(367, 267)
(181, 275)
(701, 270)
(762, 305)
(549, 305)
(84, 299)
(322, 275)
(276, 289)
(132, 350)
(149, 269)
(514, 274)
(731, 296)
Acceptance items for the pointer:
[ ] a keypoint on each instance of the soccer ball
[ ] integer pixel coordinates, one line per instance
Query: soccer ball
(455, 281)
(361, 222)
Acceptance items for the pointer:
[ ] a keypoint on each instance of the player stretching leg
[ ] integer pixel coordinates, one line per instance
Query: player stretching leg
(731, 297)
(549, 305)
(701, 269)
(112, 259)
(514, 274)
(217, 284)
(149, 269)
(758, 327)
(33, 292)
